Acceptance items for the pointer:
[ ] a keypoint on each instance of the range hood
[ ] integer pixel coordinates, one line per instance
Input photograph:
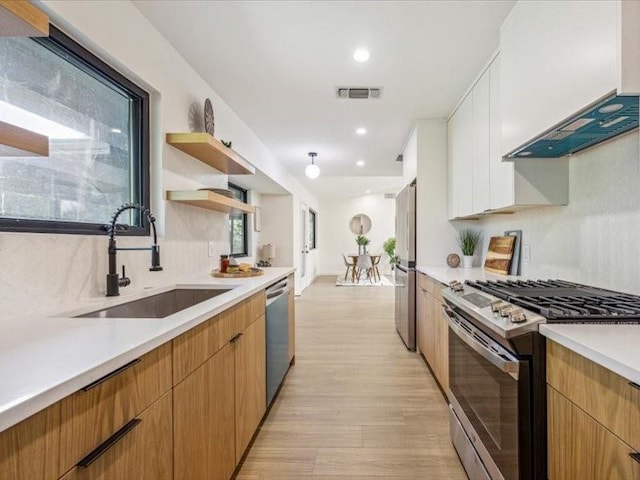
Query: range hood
(600, 121)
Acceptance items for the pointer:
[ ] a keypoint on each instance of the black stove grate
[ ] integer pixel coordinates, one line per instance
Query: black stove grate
(565, 302)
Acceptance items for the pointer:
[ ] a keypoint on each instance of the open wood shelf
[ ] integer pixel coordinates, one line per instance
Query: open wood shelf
(19, 142)
(209, 200)
(204, 147)
(22, 19)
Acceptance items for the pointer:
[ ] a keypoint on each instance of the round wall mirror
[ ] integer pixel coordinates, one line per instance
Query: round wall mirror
(360, 224)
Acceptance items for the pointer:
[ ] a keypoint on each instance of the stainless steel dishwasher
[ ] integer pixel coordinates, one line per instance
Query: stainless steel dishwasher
(277, 296)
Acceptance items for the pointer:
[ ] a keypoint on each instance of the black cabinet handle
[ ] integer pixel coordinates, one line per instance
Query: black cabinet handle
(634, 385)
(235, 338)
(108, 443)
(635, 456)
(112, 374)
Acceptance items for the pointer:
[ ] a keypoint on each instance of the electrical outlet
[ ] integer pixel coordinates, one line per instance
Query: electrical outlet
(526, 253)
(212, 249)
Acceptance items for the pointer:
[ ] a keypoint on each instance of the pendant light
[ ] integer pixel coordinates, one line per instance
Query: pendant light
(312, 170)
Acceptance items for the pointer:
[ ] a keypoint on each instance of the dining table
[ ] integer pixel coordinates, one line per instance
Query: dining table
(375, 259)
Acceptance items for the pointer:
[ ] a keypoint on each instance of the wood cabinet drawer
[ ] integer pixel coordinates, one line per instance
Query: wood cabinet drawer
(30, 449)
(425, 284)
(607, 397)
(193, 348)
(143, 452)
(91, 415)
(580, 448)
(437, 291)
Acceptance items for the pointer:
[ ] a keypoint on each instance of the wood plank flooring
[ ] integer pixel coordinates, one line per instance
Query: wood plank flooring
(356, 405)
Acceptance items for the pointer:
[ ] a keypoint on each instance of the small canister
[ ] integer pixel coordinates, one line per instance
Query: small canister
(224, 263)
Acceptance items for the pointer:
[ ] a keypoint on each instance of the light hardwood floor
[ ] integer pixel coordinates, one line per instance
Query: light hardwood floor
(356, 405)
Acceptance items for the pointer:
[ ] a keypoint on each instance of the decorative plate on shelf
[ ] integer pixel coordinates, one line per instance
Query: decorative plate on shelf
(209, 121)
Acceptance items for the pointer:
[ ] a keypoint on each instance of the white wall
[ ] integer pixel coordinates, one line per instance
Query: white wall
(277, 227)
(335, 237)
(595, 239)
(46, 272)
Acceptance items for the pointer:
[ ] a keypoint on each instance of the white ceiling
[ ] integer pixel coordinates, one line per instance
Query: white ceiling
(277, 64)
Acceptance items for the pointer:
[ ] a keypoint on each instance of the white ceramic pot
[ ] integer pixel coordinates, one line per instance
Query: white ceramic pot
(467, 261)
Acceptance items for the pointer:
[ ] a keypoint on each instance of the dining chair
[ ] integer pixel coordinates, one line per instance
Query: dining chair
(364, 264)
(349, 265)
(375, 261)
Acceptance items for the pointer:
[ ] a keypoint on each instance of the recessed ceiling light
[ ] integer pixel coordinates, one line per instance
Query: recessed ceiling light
(368, 191)
(360, 163)
(361, 131)
(361, 55)
(116, 130)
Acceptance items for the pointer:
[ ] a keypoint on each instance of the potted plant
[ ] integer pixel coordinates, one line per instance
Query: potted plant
(389, 247)
(362, 242)
(468, 240)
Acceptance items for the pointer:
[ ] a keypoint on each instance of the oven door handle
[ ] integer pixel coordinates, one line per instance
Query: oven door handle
(507, 366)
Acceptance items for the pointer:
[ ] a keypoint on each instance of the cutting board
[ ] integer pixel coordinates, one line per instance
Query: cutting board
(499, 255)
(254, 272)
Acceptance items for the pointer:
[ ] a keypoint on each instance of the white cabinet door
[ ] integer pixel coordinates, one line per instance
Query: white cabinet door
(557, 57)
(500, 173)
(460, 140)
(481, 147)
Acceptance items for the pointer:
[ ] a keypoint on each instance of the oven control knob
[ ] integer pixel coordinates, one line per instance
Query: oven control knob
(517, 316)
(495, 305)
(505, 310)
(456, 286)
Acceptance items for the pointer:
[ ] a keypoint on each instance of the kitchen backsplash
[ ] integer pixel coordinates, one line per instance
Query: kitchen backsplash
(596, 238)
(42, 273)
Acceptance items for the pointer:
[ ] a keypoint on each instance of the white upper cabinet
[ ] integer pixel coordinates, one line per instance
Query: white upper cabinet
(479, 181)
(557, 57)
(481, 143)
(460, 156)
(500, 173)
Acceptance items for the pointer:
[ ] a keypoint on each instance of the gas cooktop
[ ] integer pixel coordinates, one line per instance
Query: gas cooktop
(565, 302)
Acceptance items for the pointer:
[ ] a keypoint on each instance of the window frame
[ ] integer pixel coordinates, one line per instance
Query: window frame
(64, 46)
(244, 193)
(314, 214)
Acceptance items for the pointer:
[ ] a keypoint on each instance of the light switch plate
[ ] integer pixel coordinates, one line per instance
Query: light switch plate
(212, 249)
(526, 253)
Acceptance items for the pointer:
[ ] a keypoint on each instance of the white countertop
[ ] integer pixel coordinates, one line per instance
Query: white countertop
(446, 274)
(45, 359)
(614, 347)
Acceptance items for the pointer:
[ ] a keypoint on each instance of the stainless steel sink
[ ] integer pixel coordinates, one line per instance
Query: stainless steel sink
(158, 306)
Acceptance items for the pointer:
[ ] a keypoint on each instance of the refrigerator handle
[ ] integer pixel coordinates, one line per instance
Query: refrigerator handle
(406, 236)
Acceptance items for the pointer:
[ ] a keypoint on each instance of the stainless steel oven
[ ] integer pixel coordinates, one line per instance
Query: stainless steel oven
(490, 403)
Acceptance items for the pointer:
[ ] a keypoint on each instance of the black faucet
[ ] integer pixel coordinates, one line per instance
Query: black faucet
(114, 281)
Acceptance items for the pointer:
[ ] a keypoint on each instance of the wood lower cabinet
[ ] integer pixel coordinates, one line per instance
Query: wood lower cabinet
(30, 449)
(250, 383)
(219, 406)
(593, 419)
(580, 448)
(91, 415)
(143, 453)
(204, 420)
(432, 329)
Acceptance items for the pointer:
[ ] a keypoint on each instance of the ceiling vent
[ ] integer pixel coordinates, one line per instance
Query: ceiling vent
(362, 93)
(389, 196)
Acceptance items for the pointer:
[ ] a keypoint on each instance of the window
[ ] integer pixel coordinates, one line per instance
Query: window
(97, 124)
(238, 226)
(313, 228)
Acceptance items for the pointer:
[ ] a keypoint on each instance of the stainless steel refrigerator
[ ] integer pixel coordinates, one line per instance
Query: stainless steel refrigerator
(405, 272)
